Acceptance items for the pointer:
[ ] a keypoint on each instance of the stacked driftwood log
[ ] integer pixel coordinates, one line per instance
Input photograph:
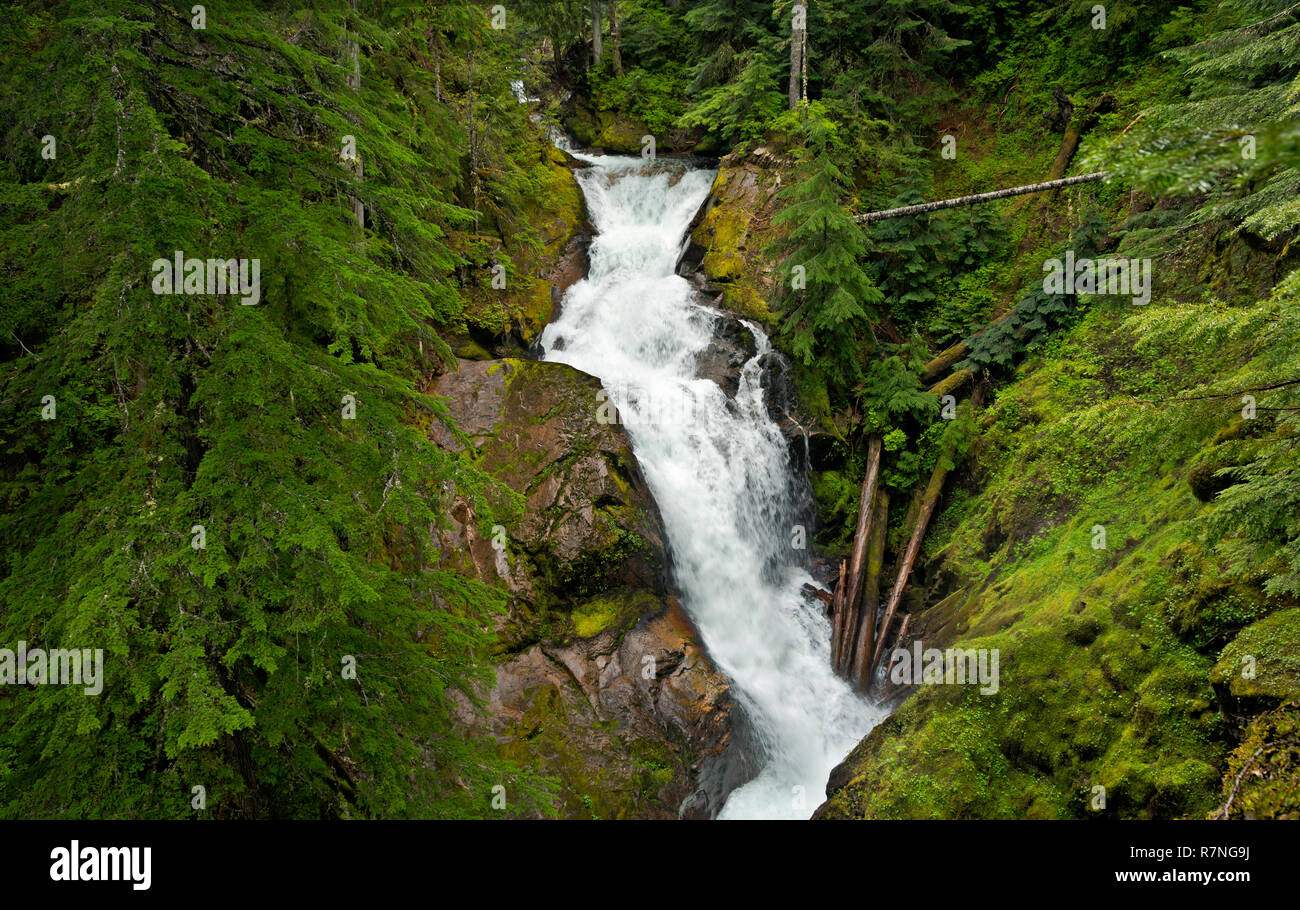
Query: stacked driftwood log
(860, 628)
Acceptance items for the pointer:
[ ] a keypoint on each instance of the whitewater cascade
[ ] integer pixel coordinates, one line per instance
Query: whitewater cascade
(720, 472)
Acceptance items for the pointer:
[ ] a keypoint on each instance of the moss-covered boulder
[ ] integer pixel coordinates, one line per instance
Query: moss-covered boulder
(617, 132)
(732, 229)
(600, 680)
(1261, 666)
(632, 718)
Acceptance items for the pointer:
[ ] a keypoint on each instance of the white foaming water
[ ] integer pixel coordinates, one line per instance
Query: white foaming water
(720, 472)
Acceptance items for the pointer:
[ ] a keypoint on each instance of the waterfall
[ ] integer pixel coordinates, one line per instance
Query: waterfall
(720, 472)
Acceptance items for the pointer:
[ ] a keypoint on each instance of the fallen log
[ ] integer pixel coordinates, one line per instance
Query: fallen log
(821, 594)
(955, 380)
(1074, 133)
(866, 639)
(924, 207)
(843, 651)
(893, 691)
(943, 361)
(928, 502)
(837, 613)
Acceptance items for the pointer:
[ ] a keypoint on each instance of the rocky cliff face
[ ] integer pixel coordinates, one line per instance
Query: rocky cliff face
(601, 681)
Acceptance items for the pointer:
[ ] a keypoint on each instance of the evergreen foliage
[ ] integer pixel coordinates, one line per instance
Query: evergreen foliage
(224, 664)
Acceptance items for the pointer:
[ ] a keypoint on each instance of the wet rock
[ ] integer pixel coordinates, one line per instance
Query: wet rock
(589, 521)
(733, 227)
(601, 681)
(732, 347)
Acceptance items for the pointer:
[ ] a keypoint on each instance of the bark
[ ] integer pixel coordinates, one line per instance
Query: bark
(943, 361)
(866, 511)
(803, 66)
(473, 139)
(796, 56)
(837, 617)
(434, 40)
(616, 37)
(354, 52)
(954, 381)
(978, 198)
(597, 49)
(866, 638)
(928, 502)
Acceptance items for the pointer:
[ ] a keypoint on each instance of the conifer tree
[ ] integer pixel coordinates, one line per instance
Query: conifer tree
(828, 299)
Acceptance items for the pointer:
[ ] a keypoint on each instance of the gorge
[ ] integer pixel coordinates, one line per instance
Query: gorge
(721, 475)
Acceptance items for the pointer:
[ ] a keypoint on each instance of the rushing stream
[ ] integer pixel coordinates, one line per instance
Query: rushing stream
(720, 472)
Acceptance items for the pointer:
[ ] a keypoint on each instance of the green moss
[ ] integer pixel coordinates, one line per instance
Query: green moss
(603, 773)
(1105, 652)
(524, 305)
(1262, 780)
(1264, 660)
(619, 610)
(810, 386)
(471, 350)
(615, 132)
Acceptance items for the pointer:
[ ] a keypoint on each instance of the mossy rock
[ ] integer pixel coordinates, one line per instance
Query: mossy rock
(614, 132)
(516, 314)
(589, 523)
(1263, 661)
(615, 612)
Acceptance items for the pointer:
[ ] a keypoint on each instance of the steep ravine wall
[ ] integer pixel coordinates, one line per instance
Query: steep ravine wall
(601, 680)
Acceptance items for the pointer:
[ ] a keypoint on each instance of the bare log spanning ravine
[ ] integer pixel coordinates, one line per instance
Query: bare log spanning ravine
(923, 207)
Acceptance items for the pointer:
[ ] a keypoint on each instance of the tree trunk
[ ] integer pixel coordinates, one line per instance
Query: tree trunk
(796, 58)
(928, 502)
(616, 37)
(866, 509)
(473, 139)
(866, 639)
(943, 361)
(923, 207)
(955, 380)
(597, 50)
(837, 617)
(354, 51)
(1074, 133)
(803, 65)
(434, 39)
